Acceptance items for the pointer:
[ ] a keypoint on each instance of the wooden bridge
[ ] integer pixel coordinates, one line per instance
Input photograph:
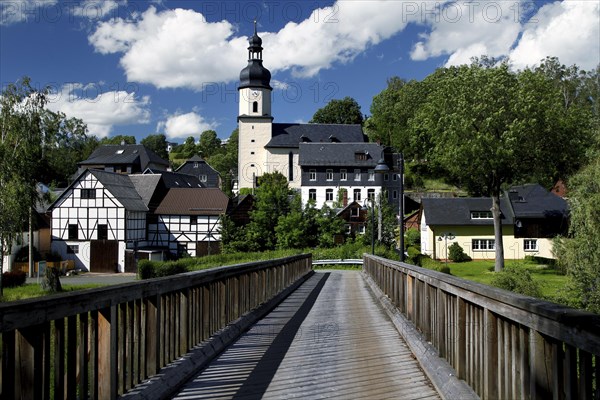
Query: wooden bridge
(279, 330)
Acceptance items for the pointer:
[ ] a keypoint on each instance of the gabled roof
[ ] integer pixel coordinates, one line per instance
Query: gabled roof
(124, 154)
(340, 154)
(457, 211)
(198, 201)
(533, 201)
(176, 179)
(290, 135)
(122, 188)
(145, 185)
(188, 166)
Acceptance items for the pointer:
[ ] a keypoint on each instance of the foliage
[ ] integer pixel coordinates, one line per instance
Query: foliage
(482, 125)
(118, 139)
(329, 227)
(580, 253)
(345, 111)
(225, 162)
(158, 144)
(518, 280)
(457, 254)
(209, 144)
(23, 254)
(413, 237)
(291, 227)
(156, 269)
(14, 278)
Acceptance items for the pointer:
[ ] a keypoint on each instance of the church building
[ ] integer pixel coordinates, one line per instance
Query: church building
(317, 159)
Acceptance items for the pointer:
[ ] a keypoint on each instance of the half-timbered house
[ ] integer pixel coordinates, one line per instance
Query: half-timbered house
(96, 219)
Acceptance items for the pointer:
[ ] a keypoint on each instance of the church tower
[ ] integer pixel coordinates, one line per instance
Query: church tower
(254, 117)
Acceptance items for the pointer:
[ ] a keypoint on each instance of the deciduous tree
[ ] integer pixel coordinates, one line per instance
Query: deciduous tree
(345, 111)
(158, 144)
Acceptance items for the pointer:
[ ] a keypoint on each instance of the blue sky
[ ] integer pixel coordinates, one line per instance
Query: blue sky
(142, 67)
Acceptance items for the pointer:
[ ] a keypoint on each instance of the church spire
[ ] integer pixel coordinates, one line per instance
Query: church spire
(255, 75)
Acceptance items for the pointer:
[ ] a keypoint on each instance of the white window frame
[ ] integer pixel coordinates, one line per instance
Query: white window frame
(483, 244)
(371, 175)
(328, 194)
(343, 175)
(481, 215)
(312, 175)
(329, 175)
(355, 197)
(530, 245)
(357, 175)
(362, 229)
(312, 194)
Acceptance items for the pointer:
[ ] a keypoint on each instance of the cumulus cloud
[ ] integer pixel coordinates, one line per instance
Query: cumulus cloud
(12, 12)
(178, 48)
(180, 126)
(569, 30)
(101, 111)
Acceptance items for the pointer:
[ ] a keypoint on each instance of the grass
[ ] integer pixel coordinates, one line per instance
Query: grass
(32, 290)
(552, 283)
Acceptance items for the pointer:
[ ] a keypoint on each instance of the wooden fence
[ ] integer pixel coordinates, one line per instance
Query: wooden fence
(100, 343)
(504, 345)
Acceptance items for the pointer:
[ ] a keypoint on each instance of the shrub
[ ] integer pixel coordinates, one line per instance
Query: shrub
(14, 278)
(414, 256)
(456, 253)
(518, 280)
(157, 269)
(413, 237)
(429, 263)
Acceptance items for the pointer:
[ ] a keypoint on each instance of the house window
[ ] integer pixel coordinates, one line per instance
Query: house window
(530, 245)
(386, 177)
(329, 174)
(355, 212)
(88, 193)
(203, 178)
(357, 174)
(102, 232)
(394, 194)
(196, 165)
(343, 175)
(481, 215)
(291, 166)
(73, 249)
(371, 175)
(361, 229)
(483, 244)
(371, 194)
(394, 177)
(360, 156)
(329, 195)
(348, 229)
(312, 175)
(312, 194)
(357, 195)
(193, 219)
(73, 232)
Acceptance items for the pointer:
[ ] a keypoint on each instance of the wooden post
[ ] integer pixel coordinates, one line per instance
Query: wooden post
(107, 353)
(29, 373)
(83, 356)
(490, 349)
(540, 367)
(72, 357)
(59, 359)
(153, 322)
(8, 365)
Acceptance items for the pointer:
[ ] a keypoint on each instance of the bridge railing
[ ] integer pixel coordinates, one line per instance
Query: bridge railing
(504, 345)
(99, 343)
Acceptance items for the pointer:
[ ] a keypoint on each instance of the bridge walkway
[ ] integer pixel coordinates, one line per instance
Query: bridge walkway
(328, 339)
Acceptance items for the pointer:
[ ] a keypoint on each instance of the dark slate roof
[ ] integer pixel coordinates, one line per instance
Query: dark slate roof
(122, 188)
(203, 169)
(341, 154)
(145, 185)
(203, 201)
(176, 179)
(124, 154)
(290, 135)
(533, 201)
(457, 211)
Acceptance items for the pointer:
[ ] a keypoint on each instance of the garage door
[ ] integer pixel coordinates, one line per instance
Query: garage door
(104, 255)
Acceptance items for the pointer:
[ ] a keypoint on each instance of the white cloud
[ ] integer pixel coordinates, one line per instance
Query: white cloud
(569, 30)
(96, 9)
(463, 30)
(12, 12)
(180, 126)
(178, 48)
(100, 111)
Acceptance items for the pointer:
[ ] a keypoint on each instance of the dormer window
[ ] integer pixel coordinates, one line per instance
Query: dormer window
(196, 164)
(121, 151)
(360, 156)
(481, 215)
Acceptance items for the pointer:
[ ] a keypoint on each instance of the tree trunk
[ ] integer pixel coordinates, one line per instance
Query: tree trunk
(1, 267)
(499, 265)
(30, 258)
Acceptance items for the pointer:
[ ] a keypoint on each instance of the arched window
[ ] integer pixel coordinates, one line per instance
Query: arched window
(255, 106)
(291, 166)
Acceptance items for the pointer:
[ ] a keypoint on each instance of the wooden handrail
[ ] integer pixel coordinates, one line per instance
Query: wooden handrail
(113, 338)
(504, 345)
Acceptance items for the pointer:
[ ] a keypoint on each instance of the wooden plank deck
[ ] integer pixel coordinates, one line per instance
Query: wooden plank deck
(329, 339)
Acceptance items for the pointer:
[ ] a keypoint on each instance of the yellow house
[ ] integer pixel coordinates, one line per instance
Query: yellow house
(531, 218)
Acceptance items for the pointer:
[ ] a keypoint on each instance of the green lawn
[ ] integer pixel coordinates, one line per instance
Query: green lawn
(34, 290)
(551, 282)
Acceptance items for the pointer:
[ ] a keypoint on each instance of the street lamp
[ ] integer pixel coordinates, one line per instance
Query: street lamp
(446, 236)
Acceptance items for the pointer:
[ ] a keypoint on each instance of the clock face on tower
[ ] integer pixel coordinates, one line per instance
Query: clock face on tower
(254, 94)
